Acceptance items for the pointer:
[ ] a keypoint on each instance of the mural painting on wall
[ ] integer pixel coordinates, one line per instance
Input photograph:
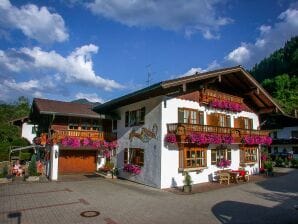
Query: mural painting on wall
(145, 135)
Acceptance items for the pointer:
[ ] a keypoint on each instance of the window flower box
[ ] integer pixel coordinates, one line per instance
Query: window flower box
(133, 169)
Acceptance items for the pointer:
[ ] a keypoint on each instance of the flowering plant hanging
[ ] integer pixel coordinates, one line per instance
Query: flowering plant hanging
(131, 168)
(171, 138)
(87, 142)
(203, 139)
(226, 105)
(256, 140)
(223, 163)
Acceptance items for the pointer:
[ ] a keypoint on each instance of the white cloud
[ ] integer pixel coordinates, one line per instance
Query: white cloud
(10, 88)
(190, 16)
(77, 67)
(271, 37)
(239, 55)
(92, 97)
(36, 23)
(213, 65)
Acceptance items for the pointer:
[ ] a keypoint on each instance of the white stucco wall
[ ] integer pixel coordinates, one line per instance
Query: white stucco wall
(27, 132)
(150, 174)
(170, 176)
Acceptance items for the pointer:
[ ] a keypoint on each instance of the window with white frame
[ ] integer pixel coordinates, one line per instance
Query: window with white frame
(134, 156)
(219, 154)
(135, 117)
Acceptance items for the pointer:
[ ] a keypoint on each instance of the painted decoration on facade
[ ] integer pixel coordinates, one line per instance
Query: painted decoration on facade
(145, 135)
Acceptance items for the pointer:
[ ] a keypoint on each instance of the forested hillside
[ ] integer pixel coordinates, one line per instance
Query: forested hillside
(9, 134)
(279, 75)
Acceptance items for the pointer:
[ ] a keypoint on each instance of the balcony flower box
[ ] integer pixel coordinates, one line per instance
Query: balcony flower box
(131, 168)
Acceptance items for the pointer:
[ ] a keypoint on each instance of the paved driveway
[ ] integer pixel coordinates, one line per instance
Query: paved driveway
(120, 202)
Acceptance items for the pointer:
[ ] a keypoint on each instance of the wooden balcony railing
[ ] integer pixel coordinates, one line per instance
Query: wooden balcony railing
(237, 133)
(94, 135)
(208, 95)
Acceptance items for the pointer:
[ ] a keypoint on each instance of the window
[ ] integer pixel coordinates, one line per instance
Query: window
(219, 154)
(134, 156)
(295, 150)
(190, 116)
(248, 154)
(86, 124)
(33, 130)
(135, 117)
(114, 125)
(73, 124)
(194, 157)
(243, 123)
(294, 134)
(96, 126)
(219, 119)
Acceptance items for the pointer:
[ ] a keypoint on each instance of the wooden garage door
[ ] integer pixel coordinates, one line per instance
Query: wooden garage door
(73, 161)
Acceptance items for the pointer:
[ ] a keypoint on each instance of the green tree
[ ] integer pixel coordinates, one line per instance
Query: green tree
(285, 90)
(10, 135)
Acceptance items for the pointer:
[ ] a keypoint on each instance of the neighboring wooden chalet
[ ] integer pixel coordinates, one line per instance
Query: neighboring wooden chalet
(284, 133)
(193, 123)
(73, 122)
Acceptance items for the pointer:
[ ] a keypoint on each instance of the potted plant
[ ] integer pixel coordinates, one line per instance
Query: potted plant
(268, 168)
(32, 170)
(187, 183)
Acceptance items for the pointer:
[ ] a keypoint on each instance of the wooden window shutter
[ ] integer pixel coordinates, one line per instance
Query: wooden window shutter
(236, 122)
(215, 119)
(212, 119)
(242, 125)
(209, 119)
(180, 115)
(239, 122)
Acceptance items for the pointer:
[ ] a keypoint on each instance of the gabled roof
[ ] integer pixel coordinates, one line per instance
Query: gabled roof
(233, 80)
(54, 107)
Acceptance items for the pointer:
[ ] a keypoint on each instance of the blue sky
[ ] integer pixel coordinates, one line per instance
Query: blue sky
(102, 49)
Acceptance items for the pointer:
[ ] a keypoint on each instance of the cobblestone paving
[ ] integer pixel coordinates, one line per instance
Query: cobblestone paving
(121, 202)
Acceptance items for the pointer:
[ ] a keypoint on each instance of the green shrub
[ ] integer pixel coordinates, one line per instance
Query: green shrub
(32, 169)
(4, 172)
(25, 156)
(187, 179)
(294, 163)
(268, 166)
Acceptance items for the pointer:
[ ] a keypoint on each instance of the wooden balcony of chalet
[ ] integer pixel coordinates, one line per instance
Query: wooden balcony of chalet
(183, 129)
(81, 134)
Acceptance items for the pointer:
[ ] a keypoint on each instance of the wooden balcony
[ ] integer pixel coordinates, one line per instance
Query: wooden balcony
(183, 129)
(93, 135)
(208, 95)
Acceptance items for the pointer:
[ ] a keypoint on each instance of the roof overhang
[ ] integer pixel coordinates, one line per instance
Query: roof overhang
(234, 80)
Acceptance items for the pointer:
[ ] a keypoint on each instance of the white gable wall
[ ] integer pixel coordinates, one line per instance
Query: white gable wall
(27, 132)
(150, 174)
(170, 177)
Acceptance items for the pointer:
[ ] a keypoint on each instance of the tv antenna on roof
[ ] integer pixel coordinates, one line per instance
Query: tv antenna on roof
(149, 75)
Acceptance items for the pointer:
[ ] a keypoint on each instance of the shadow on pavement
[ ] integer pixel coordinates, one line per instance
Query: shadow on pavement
(233, 212)
(282, 190)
